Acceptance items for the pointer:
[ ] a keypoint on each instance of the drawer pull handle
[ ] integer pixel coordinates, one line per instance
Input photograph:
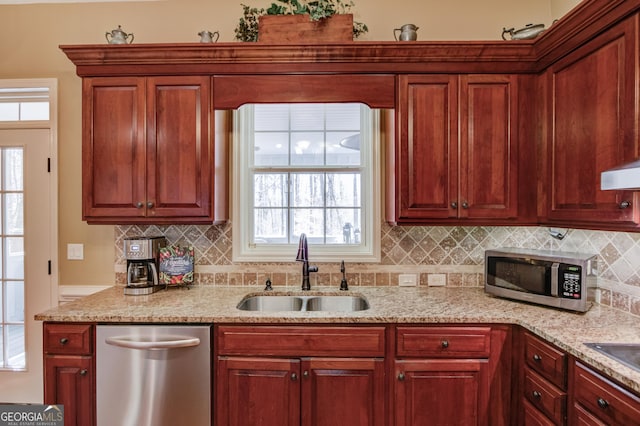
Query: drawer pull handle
(64, 341)
(537, 358)
(602, 403)
(294, 377)
(83, 372)
(401, 377)
(445, 344)
(625, 204)
(536, 394)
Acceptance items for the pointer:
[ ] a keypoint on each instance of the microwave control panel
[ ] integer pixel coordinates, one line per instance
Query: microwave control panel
(570, 281)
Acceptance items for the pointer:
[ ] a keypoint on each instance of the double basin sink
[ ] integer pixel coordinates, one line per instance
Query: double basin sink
(294, 303)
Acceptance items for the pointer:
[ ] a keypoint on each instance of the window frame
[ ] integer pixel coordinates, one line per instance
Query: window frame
(242, 200)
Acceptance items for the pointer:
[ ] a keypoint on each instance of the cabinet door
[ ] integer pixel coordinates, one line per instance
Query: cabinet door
(179, 147)
(257, 391)
(488, 147)
(113, 147)
(441, 392)
(592, 128)
(427, 147)
(69, 380)
(343, 391)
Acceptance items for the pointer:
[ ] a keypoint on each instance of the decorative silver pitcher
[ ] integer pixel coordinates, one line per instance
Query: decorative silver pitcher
(407, 33)
(118, 36)
(208, 36)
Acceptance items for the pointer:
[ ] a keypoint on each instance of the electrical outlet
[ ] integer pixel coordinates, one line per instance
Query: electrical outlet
(407, 280)
(437, 280)
(75, 251)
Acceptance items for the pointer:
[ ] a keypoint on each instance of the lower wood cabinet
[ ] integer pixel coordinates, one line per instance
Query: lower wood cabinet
(69, 371)
(369, 375)
(308, 391)
(441, 392)
(267, 375)
(449, 375)
(599, 401)
(544, 382)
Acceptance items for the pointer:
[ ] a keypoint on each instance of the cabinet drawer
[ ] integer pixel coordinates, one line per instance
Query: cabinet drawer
(605, 399)
(545, 359)
(301, 341)
(68, 339)
(533, 417)
(545, 396)
(444, 342)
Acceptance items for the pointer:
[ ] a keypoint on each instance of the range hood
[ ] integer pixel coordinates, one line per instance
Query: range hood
(626, 176)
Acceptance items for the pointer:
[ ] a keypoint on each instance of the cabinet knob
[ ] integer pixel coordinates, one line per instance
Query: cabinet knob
(64, 341)
(305, 373)
(444, 344)
(454, 205)
(83, 372)
(465, 205)
(602, 403)
(294, 377)
(401, 377)
(537, 358)
(139, 204)
(536, 394)
(149, 204)
(625, 204)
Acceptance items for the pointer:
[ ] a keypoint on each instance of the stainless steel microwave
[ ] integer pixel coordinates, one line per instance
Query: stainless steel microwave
(552, 278)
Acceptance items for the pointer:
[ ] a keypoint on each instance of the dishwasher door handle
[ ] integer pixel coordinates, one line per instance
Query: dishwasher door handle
(127, 342)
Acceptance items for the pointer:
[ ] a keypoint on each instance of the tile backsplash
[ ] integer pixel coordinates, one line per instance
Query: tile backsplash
(453, 252)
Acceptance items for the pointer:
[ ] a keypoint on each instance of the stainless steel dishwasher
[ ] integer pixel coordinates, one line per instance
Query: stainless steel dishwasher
(151, 375)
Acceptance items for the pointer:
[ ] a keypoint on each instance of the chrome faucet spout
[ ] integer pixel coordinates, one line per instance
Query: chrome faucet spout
(303, 256)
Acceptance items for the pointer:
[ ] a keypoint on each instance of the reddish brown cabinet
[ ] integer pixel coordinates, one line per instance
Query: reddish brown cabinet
(297, 375)
(147, 149)
(69, 371)
(258, 391)
(456, 151)
(544, 386)
(592, 126)
(598, 400)
(445, 374)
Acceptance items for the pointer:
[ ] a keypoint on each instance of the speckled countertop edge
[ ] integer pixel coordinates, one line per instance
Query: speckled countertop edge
(419, 305)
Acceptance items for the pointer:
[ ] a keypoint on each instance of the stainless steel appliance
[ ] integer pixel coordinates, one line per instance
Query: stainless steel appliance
(553, 278)
(153, 375)
(142, 254)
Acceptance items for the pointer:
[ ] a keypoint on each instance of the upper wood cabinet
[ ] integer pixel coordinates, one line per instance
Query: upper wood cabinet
(456, 154)
(592, 125)
(485, 133)
(147, 149)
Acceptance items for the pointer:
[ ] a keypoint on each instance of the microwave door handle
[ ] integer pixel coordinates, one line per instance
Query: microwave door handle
(554, 279)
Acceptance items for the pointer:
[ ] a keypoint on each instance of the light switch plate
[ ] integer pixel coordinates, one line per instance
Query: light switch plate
(407, 280)
(437, 280)
(75, 251)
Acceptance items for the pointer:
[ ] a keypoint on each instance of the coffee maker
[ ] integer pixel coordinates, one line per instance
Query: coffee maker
(142, 254)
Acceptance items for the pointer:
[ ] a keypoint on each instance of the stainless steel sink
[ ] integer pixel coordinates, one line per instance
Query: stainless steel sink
(626, 353)
(337, 303)
(271, 303)
(327, 303)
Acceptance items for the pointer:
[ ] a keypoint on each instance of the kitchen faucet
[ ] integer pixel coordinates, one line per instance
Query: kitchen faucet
(303, 256)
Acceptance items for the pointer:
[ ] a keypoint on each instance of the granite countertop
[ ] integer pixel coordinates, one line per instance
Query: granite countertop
(208, 304)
